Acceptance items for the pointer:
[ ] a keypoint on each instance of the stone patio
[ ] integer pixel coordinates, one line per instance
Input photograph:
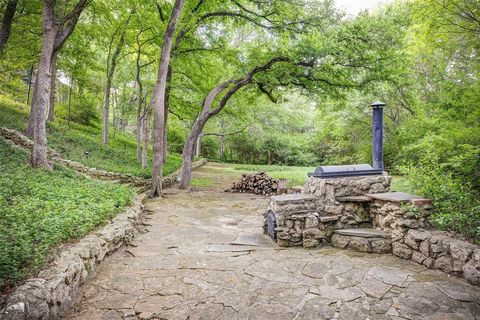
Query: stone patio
(205, 257)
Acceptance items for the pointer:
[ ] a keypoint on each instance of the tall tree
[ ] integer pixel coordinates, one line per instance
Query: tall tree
(55, 31)
(7, 23)
(158, 99)
(112, 60)
(208, 112)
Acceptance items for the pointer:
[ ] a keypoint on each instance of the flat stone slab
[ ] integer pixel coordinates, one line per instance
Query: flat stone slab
(251, 239)
(362, 233)
(292, 198)
(354, 199)
(398, 197)
(328, 218)
(196, 279)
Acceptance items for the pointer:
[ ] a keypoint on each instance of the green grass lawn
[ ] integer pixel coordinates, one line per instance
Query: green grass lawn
(232, 172)
(72, 142)
(40, 209)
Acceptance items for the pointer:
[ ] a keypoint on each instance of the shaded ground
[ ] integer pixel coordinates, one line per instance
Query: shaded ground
(205, 257)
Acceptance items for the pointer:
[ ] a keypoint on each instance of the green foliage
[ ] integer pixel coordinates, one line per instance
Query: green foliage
(72, 142)
(82, 111)
(457, 206)
(40, 209)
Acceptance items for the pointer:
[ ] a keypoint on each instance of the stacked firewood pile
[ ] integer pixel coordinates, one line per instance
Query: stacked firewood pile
(258, 183)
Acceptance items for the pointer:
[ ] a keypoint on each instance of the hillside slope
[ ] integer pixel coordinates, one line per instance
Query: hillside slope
(72, 142)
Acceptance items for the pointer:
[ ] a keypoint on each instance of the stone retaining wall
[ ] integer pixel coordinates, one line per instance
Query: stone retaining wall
(413, 238)
(53, 292)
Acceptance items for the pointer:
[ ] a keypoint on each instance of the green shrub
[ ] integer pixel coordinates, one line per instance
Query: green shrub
(83, 110)
(40, 209)
(457, 205)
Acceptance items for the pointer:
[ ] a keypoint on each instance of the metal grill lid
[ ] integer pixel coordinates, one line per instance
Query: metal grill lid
(345, 171)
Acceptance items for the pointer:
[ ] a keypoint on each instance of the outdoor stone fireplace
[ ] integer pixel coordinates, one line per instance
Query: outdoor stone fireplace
(309, 219)
(351, 207)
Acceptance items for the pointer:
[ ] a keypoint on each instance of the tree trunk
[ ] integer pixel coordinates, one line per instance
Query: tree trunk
(208, 112)
(55, 31)
(189, 149)
(42, 98)
(198, 146)
(146, 126)
(29, 83)
(53, 86)
(221, 147)
(106, 111)
(167, 105)
(111, 65)
(158, 100)
(7, 23)
(70, 101)
(139, 135)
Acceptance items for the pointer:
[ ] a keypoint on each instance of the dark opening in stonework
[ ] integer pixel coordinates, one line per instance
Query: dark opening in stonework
(271, 225)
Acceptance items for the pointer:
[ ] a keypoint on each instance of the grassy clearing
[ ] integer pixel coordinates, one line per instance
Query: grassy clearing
(40, 209)
(232, 172)
(401, 184)
(72, 142)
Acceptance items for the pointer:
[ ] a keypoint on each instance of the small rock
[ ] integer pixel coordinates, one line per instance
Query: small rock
(444, 263)
(340, 241)
(428, 262)
(310, 243)
(425, 247)
(418, 257)
(411, 242)
(471, 272)
(401, 250)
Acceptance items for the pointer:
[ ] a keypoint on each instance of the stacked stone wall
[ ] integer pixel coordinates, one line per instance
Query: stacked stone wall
(351, 213)
(53, 292)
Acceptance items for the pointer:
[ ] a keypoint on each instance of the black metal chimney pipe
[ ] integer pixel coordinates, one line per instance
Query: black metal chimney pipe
(377, 143)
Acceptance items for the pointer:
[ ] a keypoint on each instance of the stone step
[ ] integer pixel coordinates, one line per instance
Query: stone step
(293, 198)
(354, 199)
(362, 233)
(400, 197)
(362, 239)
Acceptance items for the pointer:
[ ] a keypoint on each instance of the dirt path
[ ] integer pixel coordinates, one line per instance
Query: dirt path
(205, 257)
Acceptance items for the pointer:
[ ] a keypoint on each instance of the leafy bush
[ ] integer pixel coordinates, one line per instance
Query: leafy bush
(83, 110)
(40, 209)
(457, 206)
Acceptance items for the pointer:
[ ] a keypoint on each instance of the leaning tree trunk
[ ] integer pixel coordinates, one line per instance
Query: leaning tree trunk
(158, 100)
(41, 101)
(53, 86)
(7, 23)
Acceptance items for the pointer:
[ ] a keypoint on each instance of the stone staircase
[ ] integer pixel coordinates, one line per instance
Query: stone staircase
(362, 239)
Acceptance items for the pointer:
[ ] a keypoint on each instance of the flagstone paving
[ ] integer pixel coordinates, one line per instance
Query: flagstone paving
(205, 257)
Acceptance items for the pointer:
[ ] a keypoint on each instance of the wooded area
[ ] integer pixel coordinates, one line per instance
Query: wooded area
(261, 82)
